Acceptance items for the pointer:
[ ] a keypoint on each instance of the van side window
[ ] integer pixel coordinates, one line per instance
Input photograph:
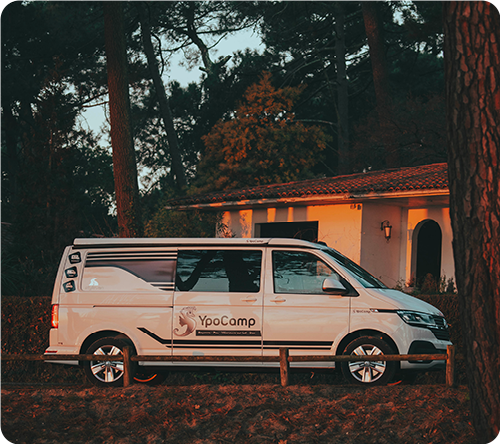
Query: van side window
(300, 272)
(129, 270)
(218, 270)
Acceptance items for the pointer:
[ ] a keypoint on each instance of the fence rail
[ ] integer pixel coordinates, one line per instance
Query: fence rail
(284, 359)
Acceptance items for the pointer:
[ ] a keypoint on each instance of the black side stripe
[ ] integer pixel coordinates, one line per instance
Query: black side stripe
(197, 343)
(298, 343)
(154, 336)
(249, 344)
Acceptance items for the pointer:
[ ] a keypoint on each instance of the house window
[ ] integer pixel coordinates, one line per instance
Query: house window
(294, 230)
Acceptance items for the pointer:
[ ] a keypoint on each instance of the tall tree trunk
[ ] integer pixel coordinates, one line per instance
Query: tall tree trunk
(342, 92)
(124, 163)
(373, 29)
(166, 112)
(472, 73)
(11, 140)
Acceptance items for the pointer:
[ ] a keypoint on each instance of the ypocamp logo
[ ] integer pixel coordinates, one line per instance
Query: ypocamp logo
(186, 318)
(226, 321)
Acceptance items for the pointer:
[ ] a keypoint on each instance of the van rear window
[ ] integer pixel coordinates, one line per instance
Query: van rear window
(129, 271)
(219, 270)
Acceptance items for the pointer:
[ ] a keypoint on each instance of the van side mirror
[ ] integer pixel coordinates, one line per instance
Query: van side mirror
(333, 286)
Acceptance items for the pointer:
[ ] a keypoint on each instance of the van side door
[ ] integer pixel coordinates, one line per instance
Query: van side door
(298, 314)
(218, 302)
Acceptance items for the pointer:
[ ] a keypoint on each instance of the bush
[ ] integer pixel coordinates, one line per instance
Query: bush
(25, 330)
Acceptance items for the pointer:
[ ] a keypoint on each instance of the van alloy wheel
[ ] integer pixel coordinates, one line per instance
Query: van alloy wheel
(107, 373)
(368, 372)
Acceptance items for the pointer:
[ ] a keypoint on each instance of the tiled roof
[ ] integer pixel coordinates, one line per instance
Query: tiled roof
(427, 177)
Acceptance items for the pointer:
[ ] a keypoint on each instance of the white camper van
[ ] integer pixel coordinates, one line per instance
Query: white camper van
(232, 297)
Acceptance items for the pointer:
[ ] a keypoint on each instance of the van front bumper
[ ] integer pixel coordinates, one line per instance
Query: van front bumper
(420, 347)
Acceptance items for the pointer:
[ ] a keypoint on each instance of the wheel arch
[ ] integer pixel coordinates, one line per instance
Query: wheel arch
(365, 332)
(89, 340)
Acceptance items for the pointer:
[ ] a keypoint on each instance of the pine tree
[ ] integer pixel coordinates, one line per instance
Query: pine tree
(261, 143)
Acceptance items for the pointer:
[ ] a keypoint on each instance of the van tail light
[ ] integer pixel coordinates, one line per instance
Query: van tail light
(54, 321)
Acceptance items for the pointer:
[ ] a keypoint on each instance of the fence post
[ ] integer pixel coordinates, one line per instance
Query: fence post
(127, 367)
(450, 366)
(284, 366)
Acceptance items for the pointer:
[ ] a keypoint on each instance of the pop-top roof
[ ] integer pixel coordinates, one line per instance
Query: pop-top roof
(385, 182)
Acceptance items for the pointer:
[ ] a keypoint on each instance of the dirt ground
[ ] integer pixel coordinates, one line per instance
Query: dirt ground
(231, 413)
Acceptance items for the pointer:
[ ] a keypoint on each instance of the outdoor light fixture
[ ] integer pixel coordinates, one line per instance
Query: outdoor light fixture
(386, 227)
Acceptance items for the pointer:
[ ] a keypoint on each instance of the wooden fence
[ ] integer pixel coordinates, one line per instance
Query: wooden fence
(284, 359)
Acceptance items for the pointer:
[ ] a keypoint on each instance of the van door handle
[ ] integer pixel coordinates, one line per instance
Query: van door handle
(249, 300)
(278, 300)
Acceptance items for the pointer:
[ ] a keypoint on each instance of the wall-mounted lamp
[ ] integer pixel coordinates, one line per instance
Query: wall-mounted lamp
(386, 227)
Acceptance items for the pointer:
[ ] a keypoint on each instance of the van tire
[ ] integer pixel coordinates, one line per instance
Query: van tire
(369, 372)
(106, 373)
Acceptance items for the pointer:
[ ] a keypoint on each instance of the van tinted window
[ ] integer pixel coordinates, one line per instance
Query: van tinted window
(120, 271)
(364, 278)
(219, 270)
(300, 272)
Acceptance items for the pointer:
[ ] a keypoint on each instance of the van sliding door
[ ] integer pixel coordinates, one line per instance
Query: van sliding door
(218, 303)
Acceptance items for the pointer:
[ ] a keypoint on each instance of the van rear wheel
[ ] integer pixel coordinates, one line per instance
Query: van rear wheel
(369, 372)
(107, 373)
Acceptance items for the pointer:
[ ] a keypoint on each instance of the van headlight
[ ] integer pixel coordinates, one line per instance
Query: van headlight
(417, 319)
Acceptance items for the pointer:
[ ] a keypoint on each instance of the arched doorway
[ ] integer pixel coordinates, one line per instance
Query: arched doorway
(428, 252)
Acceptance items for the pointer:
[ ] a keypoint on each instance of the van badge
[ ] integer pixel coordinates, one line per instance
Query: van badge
(186, 318)
(93, 282)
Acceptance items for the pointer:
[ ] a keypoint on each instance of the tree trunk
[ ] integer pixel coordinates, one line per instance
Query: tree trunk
(12, 161)
(342, 92)
(472, 73)
(124, 164)
(166, 112)
(373, 29)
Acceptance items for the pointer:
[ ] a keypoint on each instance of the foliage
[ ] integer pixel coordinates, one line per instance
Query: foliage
(11, 275)
(57, 179)
(60, 189)
(25, 330)
(448, 304)
(261, 143)
(175, 223)
(416, 132)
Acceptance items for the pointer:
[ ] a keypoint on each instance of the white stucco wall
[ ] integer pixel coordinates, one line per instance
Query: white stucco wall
(354, 230)
(380, 257)
(338, 225)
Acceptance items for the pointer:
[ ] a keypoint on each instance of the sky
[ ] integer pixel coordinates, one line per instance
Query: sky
(94, 117)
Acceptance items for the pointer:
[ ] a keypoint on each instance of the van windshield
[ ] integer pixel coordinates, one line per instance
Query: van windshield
(364, 278)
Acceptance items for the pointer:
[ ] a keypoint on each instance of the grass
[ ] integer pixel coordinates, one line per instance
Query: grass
(213, 413)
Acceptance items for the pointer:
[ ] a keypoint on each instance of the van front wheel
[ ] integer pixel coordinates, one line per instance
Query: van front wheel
(369, 372)
(108, 373)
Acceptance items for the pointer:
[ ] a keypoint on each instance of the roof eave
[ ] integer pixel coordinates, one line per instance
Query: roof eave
(311, 200)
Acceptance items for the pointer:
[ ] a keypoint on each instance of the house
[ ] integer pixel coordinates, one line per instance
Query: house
(394, 223)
